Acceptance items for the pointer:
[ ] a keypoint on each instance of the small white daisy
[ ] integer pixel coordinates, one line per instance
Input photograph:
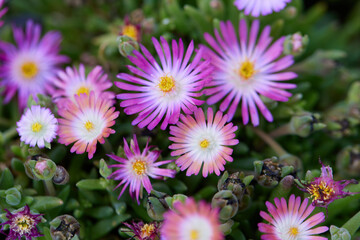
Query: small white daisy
(37, 126)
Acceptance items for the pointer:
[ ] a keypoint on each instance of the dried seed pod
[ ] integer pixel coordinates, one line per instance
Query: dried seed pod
(64, 227)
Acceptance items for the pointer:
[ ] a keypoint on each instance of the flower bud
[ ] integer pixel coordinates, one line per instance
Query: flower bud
(339, 233)
(304, 124)
(61, 176)
(348, 161)
(228, 204)
(126, 45)
(40, 169)
(64, 227)
(232, 183)
(295, 44)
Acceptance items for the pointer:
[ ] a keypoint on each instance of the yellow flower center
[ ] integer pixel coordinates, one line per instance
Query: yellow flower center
(139, 167)
(29, 70)
(246, 70)
(82, 90)
(130, 31)
(293, 231)
(147, 230)
(166, 84)
(320, 191)
(194, 234)
(36, 127)
(89, 126)
(23, 224)
(204, 143)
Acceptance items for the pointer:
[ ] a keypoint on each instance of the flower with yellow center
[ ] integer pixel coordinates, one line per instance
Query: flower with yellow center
(321, 191)
(246, 70)
(147, 230)
(89, 125)
(139, 167)
(293, 231)
(194, 234)
(136, 168)
(23, 224)
(204, 143)
(82, 90)
(36, 127)
(130, 31)
(167, 84)
(29, 70)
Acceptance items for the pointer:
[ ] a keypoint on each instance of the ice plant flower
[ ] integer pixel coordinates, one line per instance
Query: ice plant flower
(37, 126)
(200, 142)
(144, 231)
(73, 82)
(136, 169)
(2, 11)
(22, 224)
(324, 190)
(131, 30)
(28, 67)
(164, 90)
(260, 7)
(247, 69)
(86, 122)
(191, 220)
(290, 221)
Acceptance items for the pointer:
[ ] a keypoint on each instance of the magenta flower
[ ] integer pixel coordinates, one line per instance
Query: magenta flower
(291, 221)
(203, 143)
(164, 90)
(260, 7)
(144, 231)
(2, 11)
(85, 122)
(22, 224)
(324, 190)
(191, 220)
(28, 67)
(247, 69)
(73, 82)
(134, 170)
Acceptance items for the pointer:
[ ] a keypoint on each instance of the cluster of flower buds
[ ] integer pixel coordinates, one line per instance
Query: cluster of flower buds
(40, 168)
(270, 171)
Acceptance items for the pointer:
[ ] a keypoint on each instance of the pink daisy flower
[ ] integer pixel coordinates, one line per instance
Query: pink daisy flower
(260, 7)
(290, 221)
(73, 82)
(203, 143)
(164, 90)
(324, 190)
(134, 170)
(2, 11)
(27, 68)
(86, 122)
(247, 69)
(37, 126)
(191, 220)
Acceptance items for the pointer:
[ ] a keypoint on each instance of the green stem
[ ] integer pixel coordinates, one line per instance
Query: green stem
(353, 224)
(49, 187)
(271, 142)
(281, 131)
(10, 133)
